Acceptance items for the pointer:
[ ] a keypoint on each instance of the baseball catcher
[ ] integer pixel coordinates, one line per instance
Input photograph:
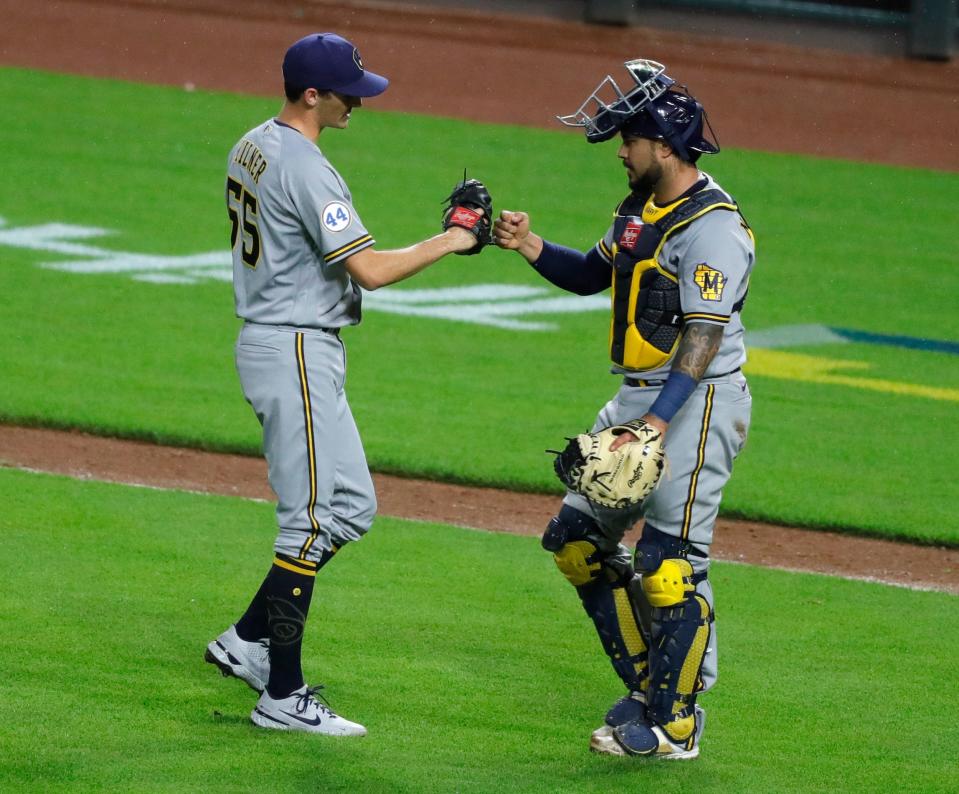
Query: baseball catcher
(676, 259)
(610, 474)
(470, 207)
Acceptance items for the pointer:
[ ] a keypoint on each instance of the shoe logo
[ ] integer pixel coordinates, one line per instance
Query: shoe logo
(315, 721)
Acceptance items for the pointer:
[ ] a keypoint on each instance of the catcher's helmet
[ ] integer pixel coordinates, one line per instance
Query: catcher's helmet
(653, 108)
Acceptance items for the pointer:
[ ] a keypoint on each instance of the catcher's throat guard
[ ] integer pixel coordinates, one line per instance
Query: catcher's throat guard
(609, 106)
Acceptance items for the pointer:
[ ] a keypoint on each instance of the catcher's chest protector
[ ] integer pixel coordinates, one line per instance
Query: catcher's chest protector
(647, 316)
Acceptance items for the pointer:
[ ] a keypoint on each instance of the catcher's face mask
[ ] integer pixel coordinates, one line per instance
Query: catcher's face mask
(609, 106)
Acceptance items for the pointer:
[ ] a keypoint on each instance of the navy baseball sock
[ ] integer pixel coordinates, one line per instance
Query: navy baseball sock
(254, 625)
(287, 594)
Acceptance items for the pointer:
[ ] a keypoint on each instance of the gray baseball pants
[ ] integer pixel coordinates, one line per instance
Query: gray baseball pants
(294, 380)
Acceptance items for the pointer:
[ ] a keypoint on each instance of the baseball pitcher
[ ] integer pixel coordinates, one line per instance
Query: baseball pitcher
(301, 254)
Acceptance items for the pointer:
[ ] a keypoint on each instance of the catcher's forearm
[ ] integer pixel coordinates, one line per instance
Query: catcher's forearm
(698, 346)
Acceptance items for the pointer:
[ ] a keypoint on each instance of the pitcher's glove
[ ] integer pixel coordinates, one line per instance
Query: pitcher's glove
(467, 197)
(618, 479)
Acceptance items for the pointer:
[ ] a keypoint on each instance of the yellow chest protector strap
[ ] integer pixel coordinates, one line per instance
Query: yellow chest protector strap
(647, 315)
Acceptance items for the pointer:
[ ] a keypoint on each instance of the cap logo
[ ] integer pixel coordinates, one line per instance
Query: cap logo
(357, 59)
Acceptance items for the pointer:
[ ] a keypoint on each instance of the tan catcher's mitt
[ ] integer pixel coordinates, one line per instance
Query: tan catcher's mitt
(613, 479)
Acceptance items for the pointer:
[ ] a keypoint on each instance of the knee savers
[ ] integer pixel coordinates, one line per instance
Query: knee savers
(574, 539)
(667, 576)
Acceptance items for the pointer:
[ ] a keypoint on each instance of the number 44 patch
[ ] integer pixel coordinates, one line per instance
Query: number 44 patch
(710, 282)
(336, 216)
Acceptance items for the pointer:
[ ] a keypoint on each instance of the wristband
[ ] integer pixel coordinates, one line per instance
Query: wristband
(675, 392)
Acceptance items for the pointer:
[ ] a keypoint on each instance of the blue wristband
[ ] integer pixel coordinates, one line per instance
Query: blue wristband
(675, 392)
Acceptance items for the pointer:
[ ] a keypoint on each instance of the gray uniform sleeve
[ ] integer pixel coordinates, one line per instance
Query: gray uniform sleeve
(326, 208)
(713, 270)
(605, 245)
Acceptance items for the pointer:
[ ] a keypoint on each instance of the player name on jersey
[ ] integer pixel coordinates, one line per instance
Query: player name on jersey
(248, 156)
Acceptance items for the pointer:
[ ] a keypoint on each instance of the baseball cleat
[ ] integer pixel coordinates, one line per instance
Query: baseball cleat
(301, 711)
(647, 739)
(248, 661)
(629, 708)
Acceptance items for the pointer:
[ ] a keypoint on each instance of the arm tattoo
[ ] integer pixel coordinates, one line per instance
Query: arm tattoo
(696, 349)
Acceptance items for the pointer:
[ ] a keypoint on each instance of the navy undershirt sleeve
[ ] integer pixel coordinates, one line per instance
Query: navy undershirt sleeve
(572, 270)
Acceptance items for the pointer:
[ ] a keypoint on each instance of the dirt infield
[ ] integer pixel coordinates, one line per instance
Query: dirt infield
(91, 457)
(507, 69)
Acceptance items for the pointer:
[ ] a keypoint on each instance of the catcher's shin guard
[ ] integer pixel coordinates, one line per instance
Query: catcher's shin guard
(681, 621)
(601, 579)
(619, 630)
(679, 638)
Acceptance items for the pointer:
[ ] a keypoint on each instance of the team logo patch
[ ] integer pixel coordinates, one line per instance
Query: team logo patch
(710, 282)
(630, 235)
(357, 59)
(336, 216)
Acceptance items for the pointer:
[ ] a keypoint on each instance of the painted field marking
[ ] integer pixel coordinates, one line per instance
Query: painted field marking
(506, 306)
(799, 335)
(814, 369)
(498, 305)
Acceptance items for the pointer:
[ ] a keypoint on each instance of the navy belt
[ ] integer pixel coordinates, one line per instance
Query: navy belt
(636, 382)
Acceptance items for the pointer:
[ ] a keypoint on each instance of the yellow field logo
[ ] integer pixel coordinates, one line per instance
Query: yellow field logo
(710, 282)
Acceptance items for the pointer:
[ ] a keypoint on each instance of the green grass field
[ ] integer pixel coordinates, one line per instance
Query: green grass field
(465, 653)
(840, 245)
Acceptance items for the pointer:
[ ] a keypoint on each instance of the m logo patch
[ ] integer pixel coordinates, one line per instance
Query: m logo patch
(710, 282)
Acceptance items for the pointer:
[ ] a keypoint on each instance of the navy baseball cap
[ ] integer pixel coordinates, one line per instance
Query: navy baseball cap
(328, 62)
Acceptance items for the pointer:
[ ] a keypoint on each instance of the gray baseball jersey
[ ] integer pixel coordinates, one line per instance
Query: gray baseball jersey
(295, 217)
(711, 260)
(293, 227)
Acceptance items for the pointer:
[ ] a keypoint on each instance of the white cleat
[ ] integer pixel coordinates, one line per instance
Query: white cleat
(301, 711)
(603, 741)
(248, 661)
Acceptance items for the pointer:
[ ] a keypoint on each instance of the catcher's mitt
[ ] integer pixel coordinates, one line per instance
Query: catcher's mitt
(467, 197)
(613, 479)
